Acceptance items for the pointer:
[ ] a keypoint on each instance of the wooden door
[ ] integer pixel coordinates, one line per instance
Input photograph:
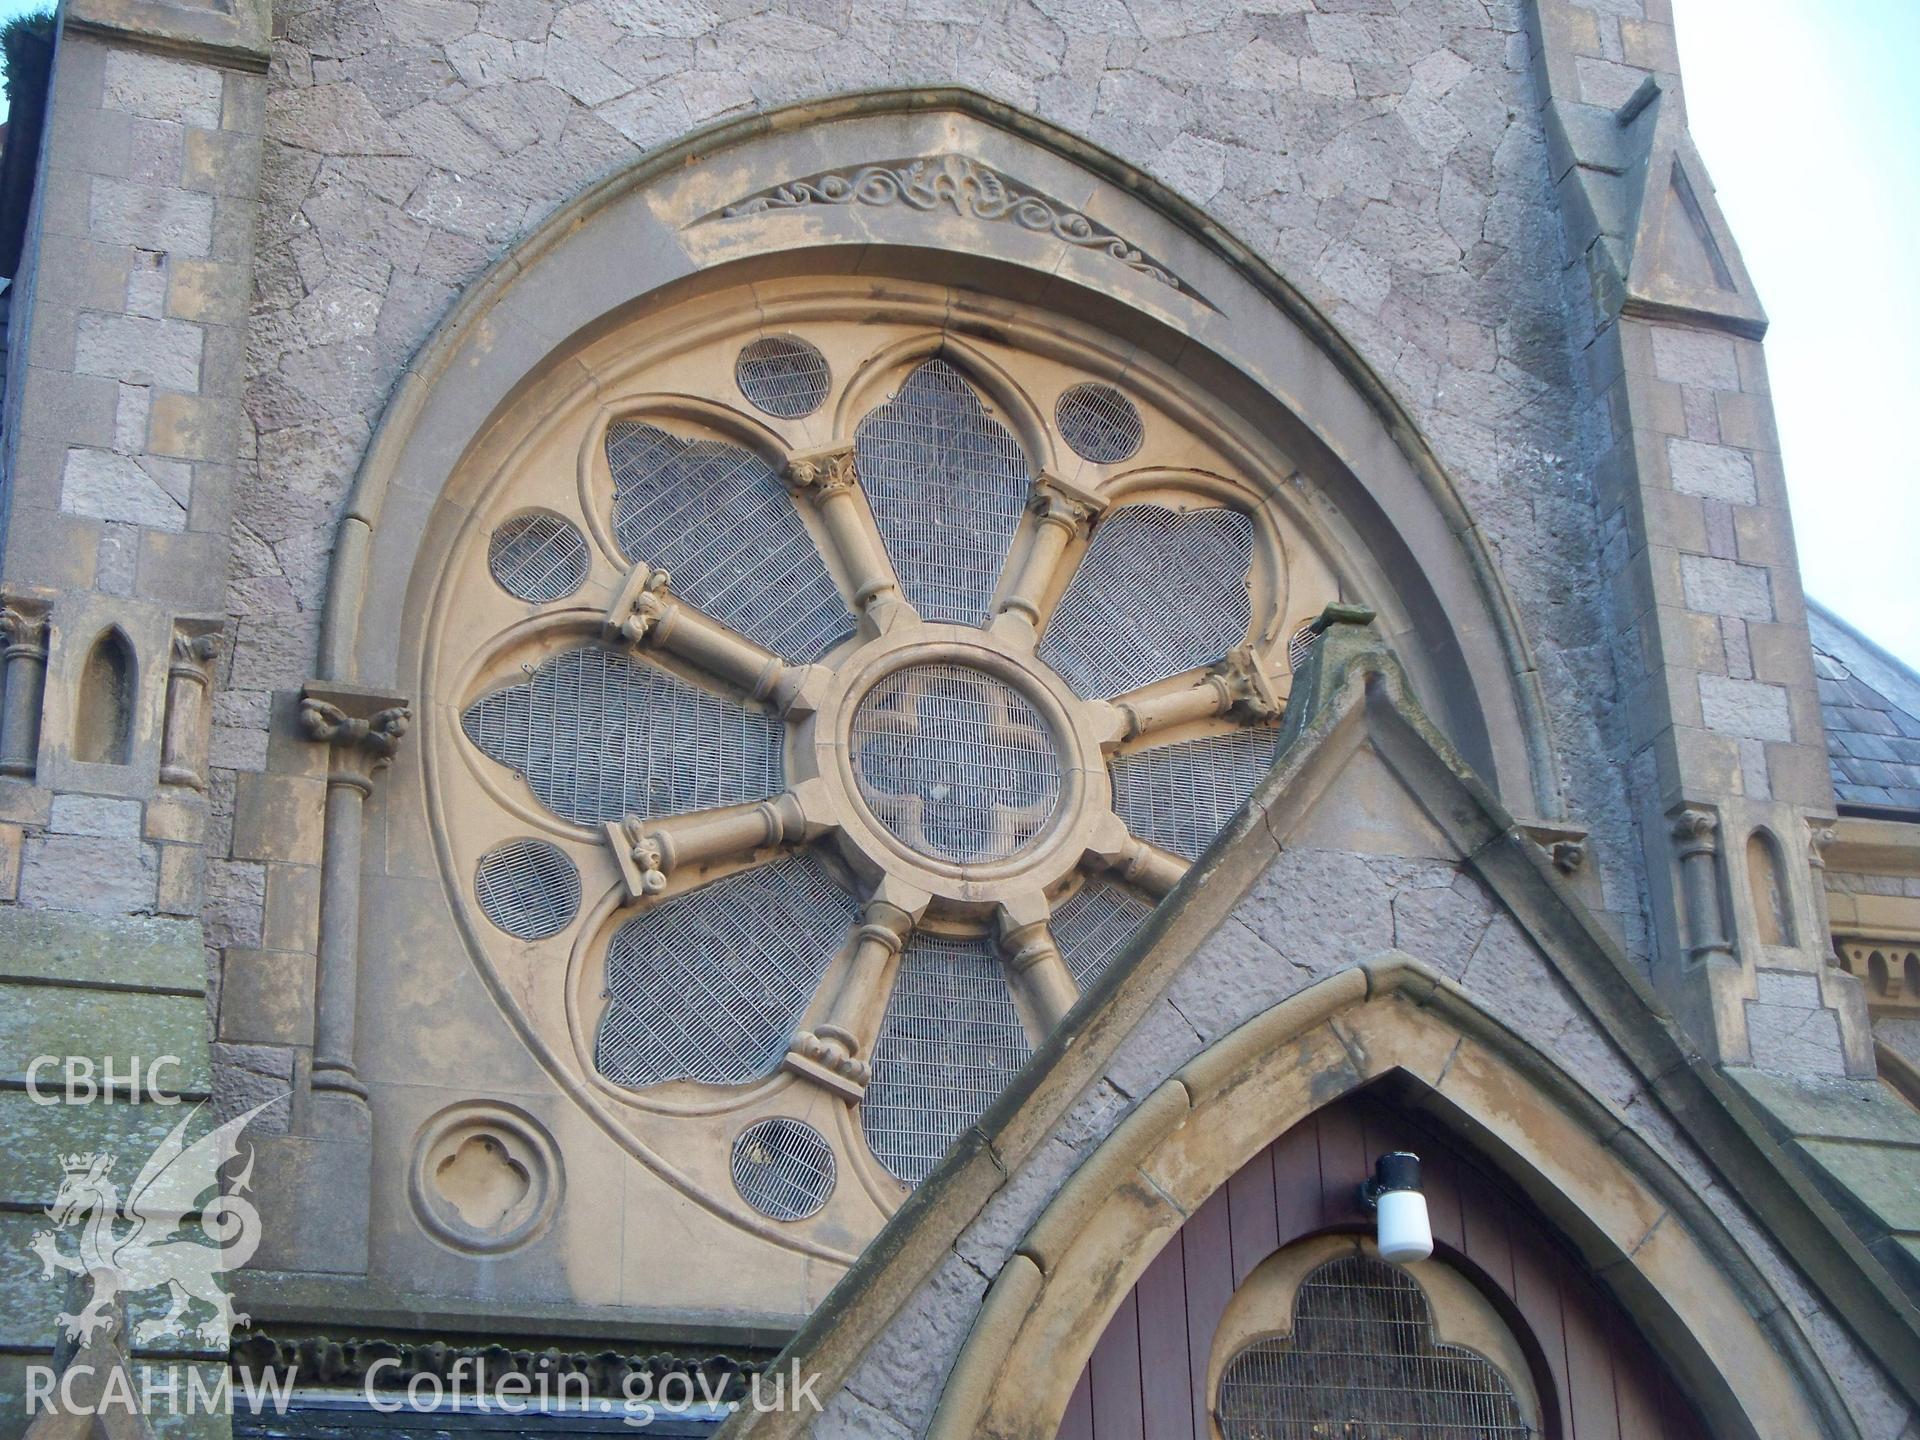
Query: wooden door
(1596, 1377)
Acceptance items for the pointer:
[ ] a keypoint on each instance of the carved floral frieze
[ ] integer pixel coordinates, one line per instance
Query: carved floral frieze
(970, 190)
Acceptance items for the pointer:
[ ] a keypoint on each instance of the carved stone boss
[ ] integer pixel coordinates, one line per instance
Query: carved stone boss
(23, 627)
(362, 730)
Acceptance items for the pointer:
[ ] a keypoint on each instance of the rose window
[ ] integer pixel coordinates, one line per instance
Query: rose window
(891, 700)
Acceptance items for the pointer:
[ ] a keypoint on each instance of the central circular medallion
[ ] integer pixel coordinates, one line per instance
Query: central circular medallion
(955, 762)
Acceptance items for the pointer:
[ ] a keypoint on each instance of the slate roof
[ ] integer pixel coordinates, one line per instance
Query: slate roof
(1870, 703)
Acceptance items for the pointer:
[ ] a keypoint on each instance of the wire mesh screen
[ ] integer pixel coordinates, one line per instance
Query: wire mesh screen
(782, 375)
(1181, 796)
(1158, 592)
(1099, 422)
(783, 1168)
(722, 524)
(1299, 647)
(598, 736)
(1362, 1363)
(947, 484)
(956, 763)
(1092, 924)
(528, 888)
(538, 556)
(950, 1043)
(709, 985)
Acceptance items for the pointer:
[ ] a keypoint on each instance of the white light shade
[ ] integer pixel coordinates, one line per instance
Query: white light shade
(1405, 1235)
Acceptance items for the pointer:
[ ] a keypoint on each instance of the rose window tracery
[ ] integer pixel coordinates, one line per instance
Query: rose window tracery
(892, 726)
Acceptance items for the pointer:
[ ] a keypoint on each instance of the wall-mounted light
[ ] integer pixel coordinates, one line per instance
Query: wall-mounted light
(1400, 1210)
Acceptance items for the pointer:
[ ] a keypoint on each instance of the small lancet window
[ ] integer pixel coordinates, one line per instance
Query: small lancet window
(103, 723)
(1773, 912)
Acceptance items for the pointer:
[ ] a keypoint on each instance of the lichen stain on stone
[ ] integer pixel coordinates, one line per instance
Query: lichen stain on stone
(1331, 1080)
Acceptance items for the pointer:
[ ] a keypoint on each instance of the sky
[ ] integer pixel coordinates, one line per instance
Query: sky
(1809, 122)
(1807, 116)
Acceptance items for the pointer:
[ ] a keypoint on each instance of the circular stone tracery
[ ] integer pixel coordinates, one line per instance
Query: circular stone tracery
(955, 762)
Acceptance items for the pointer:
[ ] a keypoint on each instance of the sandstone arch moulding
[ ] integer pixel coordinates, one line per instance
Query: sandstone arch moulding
(949, 183)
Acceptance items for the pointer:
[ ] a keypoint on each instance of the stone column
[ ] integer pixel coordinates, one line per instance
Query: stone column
(646, 613)
(828, 478)
(362, 729)
(1034, 963)
(23, 624)
(1237, 687)
(837, 1052)
(1065, 514)
(183, 739)
(648, 851)
(1694, 832)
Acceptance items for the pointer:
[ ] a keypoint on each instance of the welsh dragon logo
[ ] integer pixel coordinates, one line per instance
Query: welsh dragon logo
(147, 1242)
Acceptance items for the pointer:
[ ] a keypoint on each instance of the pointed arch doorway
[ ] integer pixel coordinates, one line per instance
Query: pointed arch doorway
(1267, 1315)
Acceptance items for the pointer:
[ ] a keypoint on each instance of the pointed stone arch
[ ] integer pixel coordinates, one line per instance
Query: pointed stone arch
(1624, 1206)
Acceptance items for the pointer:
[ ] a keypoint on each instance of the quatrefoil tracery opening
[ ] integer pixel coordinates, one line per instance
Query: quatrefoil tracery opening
(1008, 789)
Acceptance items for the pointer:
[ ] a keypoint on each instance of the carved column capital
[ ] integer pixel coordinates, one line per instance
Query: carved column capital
(362, 727)
(1820, 834)
(823, 473)
(194, 654)
(23, 627)
(1696, 830)
(1247, 691)
(1058, 503)
(642, 608)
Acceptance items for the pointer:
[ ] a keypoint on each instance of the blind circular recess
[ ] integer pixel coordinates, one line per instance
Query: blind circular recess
(956, 763)
(783, 1168)
(1100, 424)
(782, 375)
(529, 888)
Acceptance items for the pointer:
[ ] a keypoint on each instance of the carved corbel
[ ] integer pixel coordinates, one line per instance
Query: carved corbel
(648, 851)
(1063, 514)
(362, 730)
(183, 739)
(23, 628)
(837, 1053)
(646, 614)
(827, 478)
(1695, 833)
